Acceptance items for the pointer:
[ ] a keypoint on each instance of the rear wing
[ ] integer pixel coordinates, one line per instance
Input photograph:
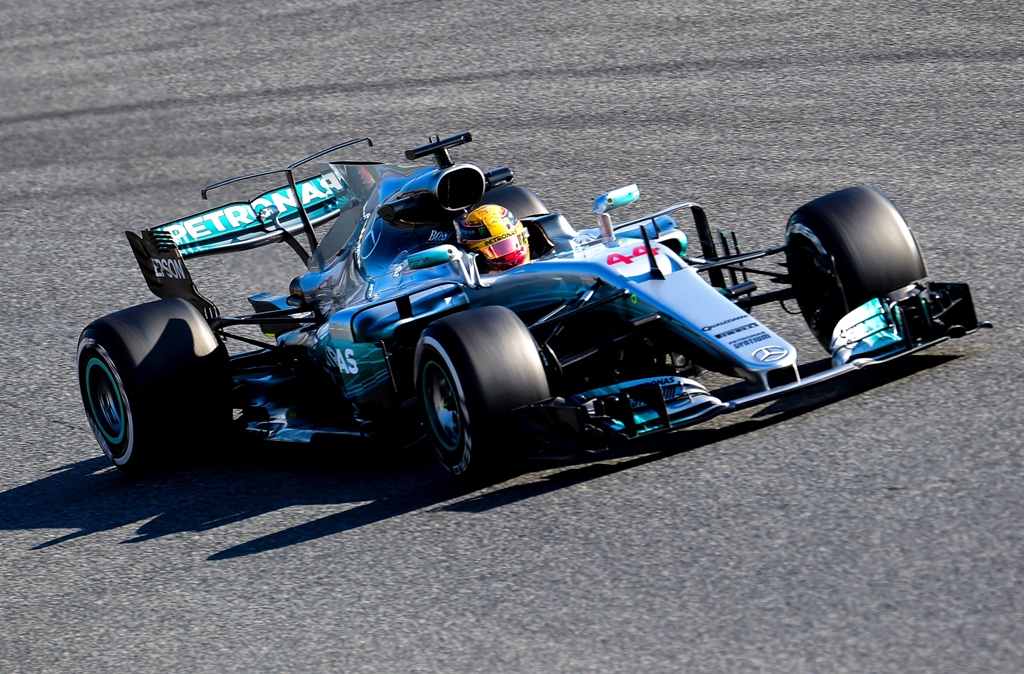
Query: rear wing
(243, 225)
(278, 215)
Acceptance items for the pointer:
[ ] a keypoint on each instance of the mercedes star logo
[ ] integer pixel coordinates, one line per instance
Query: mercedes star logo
(770, 354)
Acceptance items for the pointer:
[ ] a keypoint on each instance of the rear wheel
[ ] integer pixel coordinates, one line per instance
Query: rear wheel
(472, 369)
(153, 379)
(523, 203)
(844, 249)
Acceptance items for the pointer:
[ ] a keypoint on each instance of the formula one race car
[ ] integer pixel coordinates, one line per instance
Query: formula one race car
(398, 329)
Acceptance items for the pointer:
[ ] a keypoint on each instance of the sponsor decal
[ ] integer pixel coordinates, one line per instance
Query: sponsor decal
(619, 258)
(480, 245)
(735, 330)
(708, 328)
(346, 361)
(169, 268)
(770, 353)
(242, 216)
(671, 389)
(436, 236)
(747, 341)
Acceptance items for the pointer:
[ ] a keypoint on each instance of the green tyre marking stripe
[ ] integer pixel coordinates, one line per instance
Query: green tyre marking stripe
(92, 405)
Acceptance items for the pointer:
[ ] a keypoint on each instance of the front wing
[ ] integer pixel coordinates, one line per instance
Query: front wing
(906, 321)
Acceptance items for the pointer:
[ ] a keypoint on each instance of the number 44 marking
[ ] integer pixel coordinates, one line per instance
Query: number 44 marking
(639, 251)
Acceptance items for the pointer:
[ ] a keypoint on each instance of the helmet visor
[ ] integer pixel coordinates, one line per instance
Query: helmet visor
(503, 248)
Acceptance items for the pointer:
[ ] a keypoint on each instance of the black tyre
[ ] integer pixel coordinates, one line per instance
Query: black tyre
(471, 370)
(522, 202)
(844, 249)
(153, 378)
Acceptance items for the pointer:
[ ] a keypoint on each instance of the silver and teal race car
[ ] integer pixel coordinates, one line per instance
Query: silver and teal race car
(394, 331)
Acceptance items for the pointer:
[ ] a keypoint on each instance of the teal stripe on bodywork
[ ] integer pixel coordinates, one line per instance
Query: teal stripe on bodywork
(358, 367)
(871, 329)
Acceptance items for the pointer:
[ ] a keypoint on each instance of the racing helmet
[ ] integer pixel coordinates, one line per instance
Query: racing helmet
(496, 234)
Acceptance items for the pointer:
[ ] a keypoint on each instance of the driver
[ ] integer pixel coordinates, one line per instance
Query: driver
(496, 234)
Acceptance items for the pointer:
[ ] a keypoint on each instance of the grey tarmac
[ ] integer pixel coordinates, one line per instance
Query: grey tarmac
(875, 524)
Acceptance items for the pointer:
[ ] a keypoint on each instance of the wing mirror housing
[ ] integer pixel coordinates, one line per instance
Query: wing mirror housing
(433, 257)
(610, 201)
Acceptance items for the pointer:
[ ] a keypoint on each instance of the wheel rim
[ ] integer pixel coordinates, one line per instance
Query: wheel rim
(818, 293)
(442, 406)
(105, 401)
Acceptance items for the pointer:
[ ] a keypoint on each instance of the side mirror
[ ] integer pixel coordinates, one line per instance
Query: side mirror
(616, 198)
(432, 257)
(610, 201)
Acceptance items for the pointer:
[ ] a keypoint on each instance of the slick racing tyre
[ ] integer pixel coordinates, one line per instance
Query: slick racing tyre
(522, 202)
(471, 369)
(153, 378)
(844, 249)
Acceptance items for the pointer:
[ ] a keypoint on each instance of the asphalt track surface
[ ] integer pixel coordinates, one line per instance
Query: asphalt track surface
(876, 524)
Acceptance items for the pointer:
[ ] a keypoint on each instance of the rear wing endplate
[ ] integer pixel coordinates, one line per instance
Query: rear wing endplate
(165, 271)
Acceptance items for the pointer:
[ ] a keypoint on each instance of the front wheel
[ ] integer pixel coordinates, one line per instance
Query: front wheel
(844, 249)
(471, 370)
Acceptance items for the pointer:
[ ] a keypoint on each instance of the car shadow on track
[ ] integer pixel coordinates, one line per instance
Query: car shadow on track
(89, 496)
(678, 442)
